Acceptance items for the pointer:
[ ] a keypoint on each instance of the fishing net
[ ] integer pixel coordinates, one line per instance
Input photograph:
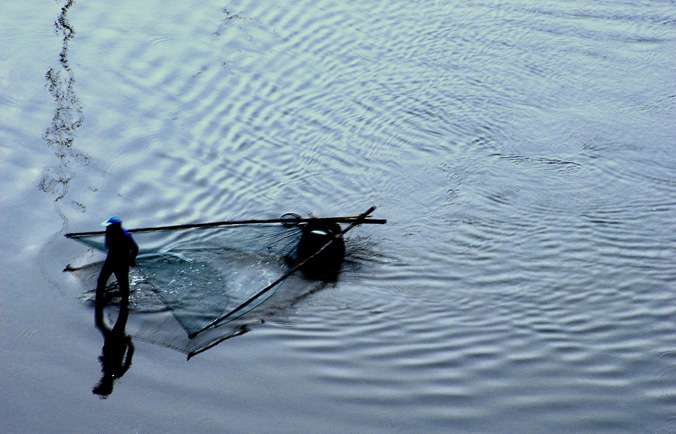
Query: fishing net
(186, 279)
(193, 283)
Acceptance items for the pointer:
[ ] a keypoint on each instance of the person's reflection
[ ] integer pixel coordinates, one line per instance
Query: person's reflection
(117, 346)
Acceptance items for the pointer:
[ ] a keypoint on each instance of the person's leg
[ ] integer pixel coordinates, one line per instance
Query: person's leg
(122, 276)
(102, 281)
(100, 300)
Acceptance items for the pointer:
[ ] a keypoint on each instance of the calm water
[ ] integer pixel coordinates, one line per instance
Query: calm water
(522, 152)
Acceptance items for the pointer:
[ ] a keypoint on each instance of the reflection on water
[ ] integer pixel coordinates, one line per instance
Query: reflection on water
(118, 349)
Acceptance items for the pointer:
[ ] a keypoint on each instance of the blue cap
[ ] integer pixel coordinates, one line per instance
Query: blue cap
(111, 221)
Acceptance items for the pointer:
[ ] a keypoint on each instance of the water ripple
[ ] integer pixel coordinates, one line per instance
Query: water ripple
(528, 257)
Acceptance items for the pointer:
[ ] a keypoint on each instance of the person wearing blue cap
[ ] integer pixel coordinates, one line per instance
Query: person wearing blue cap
(122, 251)
(117, 349)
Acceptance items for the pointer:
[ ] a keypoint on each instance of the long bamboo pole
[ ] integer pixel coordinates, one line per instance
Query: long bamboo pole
(348, 219)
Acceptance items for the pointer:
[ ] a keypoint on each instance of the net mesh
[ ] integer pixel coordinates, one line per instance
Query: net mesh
(185, 279)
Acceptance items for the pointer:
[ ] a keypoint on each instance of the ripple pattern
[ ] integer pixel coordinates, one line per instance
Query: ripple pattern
(522, 152)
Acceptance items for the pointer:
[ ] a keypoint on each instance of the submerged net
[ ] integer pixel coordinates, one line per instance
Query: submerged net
(191, 277)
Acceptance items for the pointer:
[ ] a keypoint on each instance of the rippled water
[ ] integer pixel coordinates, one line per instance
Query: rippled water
(522, 152)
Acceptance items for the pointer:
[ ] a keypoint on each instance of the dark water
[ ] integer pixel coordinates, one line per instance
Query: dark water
(522, 152)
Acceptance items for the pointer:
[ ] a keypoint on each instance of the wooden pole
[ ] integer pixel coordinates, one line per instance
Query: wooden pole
(349, 219)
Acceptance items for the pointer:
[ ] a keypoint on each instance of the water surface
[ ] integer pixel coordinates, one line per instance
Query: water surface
(521, 151)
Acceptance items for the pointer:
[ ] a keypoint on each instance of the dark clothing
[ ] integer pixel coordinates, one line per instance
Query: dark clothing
(117, 349)
(122, 251)
(321, 248)
(121, 246)
(121, 272)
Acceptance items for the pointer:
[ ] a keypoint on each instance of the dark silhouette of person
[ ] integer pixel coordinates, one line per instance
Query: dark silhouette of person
(117, 349)
(122, 251)
(321, 260)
